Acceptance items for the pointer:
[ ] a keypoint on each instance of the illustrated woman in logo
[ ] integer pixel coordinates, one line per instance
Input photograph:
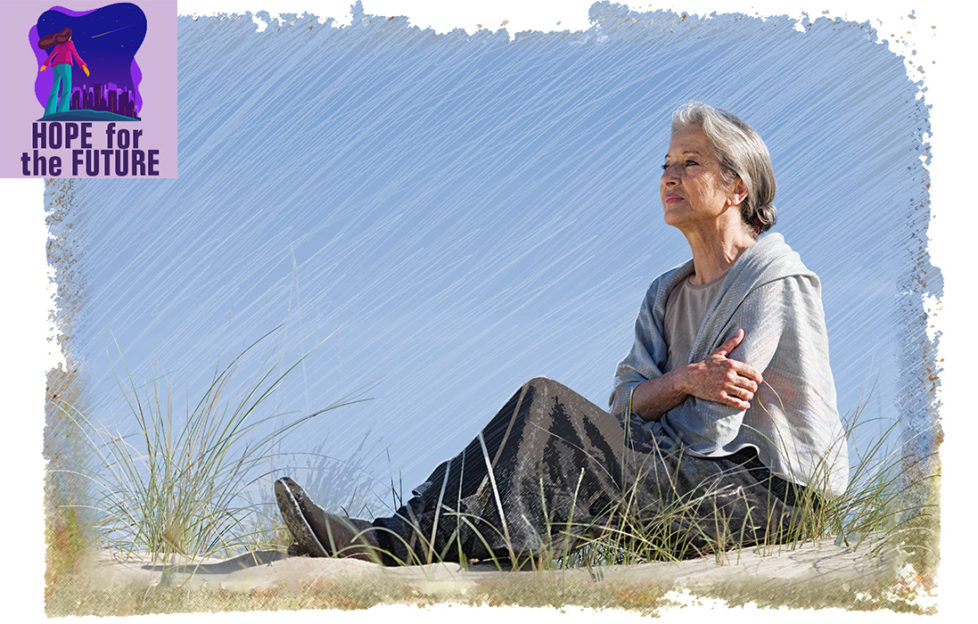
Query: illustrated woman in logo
(63, 53)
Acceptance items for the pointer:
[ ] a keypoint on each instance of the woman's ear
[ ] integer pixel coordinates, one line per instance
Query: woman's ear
(738, 193)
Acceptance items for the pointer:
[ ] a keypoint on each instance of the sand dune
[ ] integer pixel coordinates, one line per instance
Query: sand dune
(825, 573)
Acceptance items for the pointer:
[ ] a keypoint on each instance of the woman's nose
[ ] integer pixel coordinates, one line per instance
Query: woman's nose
(670, 175)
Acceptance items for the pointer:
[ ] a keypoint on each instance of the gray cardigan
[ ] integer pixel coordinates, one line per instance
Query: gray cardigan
(793, 421)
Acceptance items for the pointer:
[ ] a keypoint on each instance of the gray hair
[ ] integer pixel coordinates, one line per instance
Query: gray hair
(742, 154)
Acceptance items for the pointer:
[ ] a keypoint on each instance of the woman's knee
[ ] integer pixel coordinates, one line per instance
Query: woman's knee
(554, 392)
(543, 398)
(544, 386)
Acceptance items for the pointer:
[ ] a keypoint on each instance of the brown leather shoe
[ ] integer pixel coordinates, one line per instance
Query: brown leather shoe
(319, 533)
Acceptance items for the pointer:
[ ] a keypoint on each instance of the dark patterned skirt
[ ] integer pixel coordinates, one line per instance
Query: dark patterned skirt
(552, 472)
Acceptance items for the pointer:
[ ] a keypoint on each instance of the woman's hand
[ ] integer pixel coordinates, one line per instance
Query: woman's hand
(43, 67)
(85, 69)
(720, 379)
(717, 378)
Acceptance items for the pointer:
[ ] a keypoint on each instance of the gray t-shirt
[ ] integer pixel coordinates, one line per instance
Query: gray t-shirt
(685, 310)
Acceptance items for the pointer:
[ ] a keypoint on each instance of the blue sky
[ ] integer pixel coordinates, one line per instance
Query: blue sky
(451, 215)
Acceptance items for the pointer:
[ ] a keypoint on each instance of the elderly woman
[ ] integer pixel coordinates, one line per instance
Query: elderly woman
(723, 428)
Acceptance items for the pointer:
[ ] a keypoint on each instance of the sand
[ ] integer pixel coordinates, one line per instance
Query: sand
(824, 573)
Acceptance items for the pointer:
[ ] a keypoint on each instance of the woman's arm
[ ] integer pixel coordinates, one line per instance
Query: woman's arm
(74, 53)
(776, 317)
(716, 378)
(44, 65)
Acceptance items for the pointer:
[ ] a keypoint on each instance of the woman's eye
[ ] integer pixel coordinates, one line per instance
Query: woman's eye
(689, 163)
(664, 167)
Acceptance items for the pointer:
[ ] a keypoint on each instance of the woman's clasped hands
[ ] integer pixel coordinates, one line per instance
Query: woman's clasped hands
(721, 379)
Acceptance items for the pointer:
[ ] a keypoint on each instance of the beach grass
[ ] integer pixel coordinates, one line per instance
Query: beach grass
(179, 484)
(183, 486)
(891, 502)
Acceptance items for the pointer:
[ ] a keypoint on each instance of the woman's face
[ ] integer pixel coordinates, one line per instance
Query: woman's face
(693, 188)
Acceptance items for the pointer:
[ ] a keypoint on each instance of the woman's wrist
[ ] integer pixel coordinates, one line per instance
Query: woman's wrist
(680, 377)
(653, 398)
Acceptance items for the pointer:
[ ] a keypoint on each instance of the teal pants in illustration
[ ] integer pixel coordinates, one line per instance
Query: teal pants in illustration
(62, 84)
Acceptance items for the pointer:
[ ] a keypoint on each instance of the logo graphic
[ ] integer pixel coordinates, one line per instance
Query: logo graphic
(88, 70)
(92, 89)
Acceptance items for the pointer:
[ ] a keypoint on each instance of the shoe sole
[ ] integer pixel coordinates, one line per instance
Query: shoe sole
(296, 522)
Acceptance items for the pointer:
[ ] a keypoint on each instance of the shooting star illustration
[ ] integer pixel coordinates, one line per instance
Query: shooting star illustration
(112, 31)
